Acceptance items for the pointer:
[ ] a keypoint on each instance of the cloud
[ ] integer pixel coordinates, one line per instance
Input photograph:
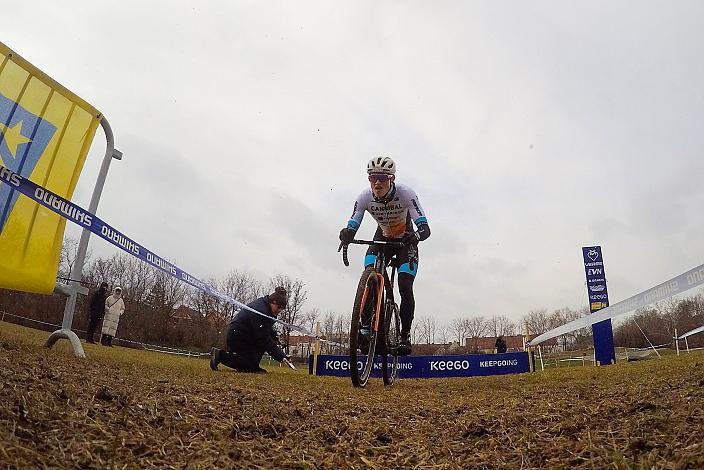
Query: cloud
(528, 130)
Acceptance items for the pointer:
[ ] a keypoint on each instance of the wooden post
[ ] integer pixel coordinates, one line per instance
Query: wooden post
(316, 348)
(677, 343)
(540, 354)
(531, 365)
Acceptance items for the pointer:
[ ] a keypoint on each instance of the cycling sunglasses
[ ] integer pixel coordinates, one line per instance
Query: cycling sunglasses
(379, 178)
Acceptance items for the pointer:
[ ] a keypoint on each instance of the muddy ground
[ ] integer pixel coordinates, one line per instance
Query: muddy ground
(125, 408)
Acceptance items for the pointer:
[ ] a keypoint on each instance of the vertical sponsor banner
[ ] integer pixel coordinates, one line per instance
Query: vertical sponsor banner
(604, 351)
(45, 134)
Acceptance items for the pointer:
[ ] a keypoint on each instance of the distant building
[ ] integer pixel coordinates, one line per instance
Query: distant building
(301, 346)
(183, 314)
(438, 349)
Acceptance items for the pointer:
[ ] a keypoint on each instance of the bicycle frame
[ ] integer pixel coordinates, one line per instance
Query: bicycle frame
(380, 266)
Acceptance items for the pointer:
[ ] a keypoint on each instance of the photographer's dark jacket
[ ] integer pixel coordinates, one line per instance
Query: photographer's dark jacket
(250, 334)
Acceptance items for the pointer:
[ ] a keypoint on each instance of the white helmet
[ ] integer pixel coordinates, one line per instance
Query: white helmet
(383, 165)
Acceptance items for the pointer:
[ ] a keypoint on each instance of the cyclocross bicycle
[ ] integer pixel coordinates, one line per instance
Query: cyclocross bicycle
(376, 324)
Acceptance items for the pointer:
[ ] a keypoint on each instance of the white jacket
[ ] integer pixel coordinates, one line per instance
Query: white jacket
(114, 307)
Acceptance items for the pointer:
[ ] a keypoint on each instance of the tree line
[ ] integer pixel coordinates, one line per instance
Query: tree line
(162, 310)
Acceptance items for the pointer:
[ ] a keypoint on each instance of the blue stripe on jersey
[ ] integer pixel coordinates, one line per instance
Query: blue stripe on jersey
(353, 224)
(369, 260)
(421, 220)
(406, 268)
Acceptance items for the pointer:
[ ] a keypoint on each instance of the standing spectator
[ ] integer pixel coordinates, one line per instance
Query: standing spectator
(114, 307)
(96, 310)
(500, 345)
(250, 335)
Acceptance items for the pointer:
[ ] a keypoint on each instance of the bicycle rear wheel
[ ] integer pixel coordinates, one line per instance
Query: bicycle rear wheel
(392, 321)
(363, 313)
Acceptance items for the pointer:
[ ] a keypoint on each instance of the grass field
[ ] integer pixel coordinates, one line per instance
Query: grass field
(137, 409)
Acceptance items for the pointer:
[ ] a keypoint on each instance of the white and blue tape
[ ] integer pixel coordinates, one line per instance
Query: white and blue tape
(97, 226)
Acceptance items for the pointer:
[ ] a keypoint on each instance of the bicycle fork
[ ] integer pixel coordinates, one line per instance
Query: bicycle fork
(378, 300)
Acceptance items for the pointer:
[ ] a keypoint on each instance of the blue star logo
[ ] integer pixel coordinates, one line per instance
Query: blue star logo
(24, 138)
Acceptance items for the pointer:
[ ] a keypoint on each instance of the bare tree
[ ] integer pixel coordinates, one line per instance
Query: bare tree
(67, 258)
(165, 293)
(415, 333)
(427, 329)
(327, 328)
(335, 328)
(342, 326)
(217, 312)
(443, 333)
(309, 319)
(297, 296)
(476, 328)
(668, 310)
(241, 286)
(501, 325)
(68, 255)
(689, 314)
(578, 339)
(134, 276)
(538, 321)
(100, 270)
(560, 317)
(458, 328)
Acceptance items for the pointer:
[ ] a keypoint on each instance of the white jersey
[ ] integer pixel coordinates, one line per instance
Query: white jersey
(395, 216)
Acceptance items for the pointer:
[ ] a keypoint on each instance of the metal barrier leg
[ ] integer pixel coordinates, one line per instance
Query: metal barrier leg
(69, 335)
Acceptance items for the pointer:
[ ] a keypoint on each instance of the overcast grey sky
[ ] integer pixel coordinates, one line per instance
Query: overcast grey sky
(528, 130)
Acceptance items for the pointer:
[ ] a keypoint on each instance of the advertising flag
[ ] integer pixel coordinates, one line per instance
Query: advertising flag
(45, 134)
(604, 351)
(596, 278)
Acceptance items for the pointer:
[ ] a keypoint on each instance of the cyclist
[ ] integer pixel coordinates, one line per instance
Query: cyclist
(394, 207)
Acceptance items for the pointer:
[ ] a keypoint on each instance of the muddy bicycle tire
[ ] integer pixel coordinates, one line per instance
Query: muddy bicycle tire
(369, 281)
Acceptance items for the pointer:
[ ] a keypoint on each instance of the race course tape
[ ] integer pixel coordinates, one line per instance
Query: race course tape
(85, 219)
(678, 284)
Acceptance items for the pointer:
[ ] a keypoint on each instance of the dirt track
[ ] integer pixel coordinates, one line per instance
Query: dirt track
(138, 409)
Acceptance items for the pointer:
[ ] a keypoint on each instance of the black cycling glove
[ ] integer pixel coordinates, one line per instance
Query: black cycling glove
(347, 235)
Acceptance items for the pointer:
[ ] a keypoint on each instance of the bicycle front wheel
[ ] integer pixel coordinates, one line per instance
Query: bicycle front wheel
(392, 327)
(363, 338)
